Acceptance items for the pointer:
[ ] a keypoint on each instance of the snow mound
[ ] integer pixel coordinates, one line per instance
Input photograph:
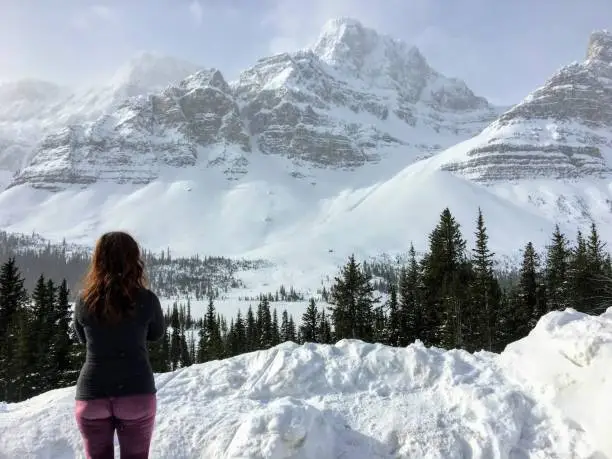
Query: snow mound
(368, 401)
(566, 361)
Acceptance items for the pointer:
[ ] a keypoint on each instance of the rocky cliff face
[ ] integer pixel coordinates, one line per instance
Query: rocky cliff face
(563, 130)
(143, 135)
(352, 95)
(32, 109)
(352, 98)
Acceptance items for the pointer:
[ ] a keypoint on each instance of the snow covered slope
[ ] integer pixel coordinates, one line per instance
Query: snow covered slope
(552, 153)
(269, 215)
(538, 399)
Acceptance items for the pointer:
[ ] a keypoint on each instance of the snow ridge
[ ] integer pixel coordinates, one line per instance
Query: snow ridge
(368, 401)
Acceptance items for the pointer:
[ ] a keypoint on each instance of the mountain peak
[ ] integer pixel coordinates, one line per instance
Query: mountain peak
(361, 52)
(600, 46)
(346, 39)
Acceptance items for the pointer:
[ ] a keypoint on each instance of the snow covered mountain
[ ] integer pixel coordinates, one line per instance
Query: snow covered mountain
(552, 153)
(354, 97)
(545, 396)
(31, 109)
(561, 130)
(158, 165)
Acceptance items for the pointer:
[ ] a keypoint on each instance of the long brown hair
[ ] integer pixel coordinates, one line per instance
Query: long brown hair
(115, 276)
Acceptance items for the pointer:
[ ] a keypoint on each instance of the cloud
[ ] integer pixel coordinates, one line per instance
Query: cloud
(196, 11)
(94, 15)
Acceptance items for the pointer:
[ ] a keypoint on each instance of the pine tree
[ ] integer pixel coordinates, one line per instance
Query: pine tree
(580, 276)
(557, 266)
(394, 325)
(308, 328)
(409, 303)
(251, 331)
(352, 299)
(379, 334)
(276, 335)
(292, 331)
(210, 345)
(264, 324)
(12, 294)
(239, 338)
(61, 343)
(33, 370)
(324, 330)
(532, 290)
(13, 298)
(445, 275)
(599, 276)
(285, 329)
(486, 293)
(176, 346)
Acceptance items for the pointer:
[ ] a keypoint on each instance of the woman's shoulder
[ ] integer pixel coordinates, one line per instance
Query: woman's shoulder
(148, 296)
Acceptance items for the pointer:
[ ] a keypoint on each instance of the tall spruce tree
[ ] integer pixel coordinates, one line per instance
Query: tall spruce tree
(599, 276)
(13, 319)
(264, 324)
(486, 293)
(176, 345)
(276, 334)
(210, 345)
(410, 307)
(239, 337)
(285, 328)
(61, 343)
(309, 325)
(532, 291)
(557, 267)
(292, 334)
(324, 330)
(580, 276)
(251, 331)
(394, 323)
(352, 299)
(445, 273)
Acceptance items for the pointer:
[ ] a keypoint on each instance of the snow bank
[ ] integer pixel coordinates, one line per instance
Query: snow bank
(546, 396)
(567, 361)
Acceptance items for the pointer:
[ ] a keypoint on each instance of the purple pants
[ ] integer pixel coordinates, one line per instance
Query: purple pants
(133, 417)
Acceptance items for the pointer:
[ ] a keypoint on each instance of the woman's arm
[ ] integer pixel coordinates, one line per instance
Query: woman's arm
(157, 325)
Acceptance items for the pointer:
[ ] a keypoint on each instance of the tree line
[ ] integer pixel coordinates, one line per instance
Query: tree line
(452, 297)
(37, 350)
(449, 297)
(187, 341)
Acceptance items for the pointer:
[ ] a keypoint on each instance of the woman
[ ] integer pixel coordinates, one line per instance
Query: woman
(114, 316)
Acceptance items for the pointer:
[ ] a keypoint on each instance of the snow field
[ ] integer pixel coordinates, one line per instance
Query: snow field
(546, 396)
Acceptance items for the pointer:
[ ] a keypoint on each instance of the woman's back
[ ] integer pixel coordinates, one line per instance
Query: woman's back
(117, 360)
(114, 317)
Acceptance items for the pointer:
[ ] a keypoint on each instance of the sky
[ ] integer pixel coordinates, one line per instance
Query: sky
(503, 49)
